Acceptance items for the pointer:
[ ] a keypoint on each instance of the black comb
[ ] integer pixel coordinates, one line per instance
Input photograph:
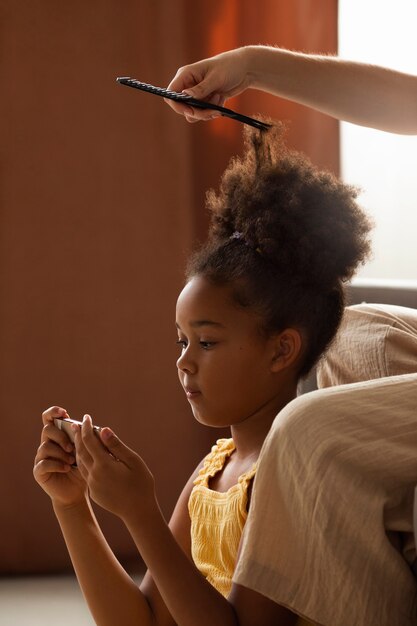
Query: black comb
(186, 99)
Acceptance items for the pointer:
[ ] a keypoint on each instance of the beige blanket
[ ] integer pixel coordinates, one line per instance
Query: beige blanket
(329, 533)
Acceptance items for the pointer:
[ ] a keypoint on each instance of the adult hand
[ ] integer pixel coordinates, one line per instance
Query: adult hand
(214, 80)
(53, 463)
(118, 479)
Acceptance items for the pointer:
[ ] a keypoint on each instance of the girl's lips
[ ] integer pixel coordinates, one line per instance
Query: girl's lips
(192, 393)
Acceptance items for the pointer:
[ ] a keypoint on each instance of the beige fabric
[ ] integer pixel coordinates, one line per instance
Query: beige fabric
(373, 341)
(331, 513)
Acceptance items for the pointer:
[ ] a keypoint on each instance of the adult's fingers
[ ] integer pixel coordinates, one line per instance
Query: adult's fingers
(195, 114)
(198, 79)
(198, 82)
(187, 77)
(201, 115)
(181, 109)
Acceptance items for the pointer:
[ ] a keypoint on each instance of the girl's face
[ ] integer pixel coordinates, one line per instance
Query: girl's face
(225, 363)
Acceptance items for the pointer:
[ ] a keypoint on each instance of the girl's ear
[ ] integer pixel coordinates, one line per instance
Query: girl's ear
(287, 347)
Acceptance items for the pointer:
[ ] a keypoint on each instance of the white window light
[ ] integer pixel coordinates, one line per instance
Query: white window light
(382, 164)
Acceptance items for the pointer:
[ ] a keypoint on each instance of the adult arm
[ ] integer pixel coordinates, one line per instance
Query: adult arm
(368, 95)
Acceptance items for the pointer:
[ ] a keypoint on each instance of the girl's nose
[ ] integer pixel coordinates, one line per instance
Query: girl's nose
(186, 363)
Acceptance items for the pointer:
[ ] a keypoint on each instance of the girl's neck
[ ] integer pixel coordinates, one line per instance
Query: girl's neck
(249, 435)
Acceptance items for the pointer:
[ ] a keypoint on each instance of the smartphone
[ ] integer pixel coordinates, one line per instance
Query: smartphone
(64, 423)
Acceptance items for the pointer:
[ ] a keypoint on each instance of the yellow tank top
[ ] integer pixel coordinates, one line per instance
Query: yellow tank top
(217, 520)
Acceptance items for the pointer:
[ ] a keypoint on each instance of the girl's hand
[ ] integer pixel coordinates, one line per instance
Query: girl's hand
(52, 468)
(214, 80)
(118, 480)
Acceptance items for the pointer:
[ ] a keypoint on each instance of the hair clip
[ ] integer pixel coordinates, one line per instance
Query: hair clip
(239, 236)
(236, 235)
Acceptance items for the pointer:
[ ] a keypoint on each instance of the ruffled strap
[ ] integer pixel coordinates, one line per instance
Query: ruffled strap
(215, 461)
(247, 477)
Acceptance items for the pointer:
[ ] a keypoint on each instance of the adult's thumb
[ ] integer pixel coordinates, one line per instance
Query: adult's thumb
(202, 90)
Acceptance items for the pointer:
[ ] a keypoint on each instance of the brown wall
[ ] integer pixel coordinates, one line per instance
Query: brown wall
(101, 192)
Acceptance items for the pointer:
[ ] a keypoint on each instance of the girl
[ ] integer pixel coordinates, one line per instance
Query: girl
(262, 301)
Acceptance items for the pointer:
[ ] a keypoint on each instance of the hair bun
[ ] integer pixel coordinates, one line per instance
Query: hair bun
(304, 222)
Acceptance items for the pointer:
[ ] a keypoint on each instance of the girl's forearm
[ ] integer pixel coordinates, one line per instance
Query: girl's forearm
(188, 596)
(355, 92)
(112, 596)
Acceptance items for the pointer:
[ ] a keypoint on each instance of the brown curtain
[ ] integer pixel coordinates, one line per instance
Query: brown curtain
(102, 192)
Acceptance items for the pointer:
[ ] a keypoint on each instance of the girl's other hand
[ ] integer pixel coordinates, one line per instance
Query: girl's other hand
(215, 80)
(53, 463)
(118, 479)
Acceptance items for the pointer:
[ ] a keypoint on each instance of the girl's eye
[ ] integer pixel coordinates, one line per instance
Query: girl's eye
(206, 345)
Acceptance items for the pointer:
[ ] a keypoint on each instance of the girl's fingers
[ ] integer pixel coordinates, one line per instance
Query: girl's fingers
(83, 456)
(50, 414)
(52, 433)
(50, 466)
(50, 450)
(82, 470)
(91, 442)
